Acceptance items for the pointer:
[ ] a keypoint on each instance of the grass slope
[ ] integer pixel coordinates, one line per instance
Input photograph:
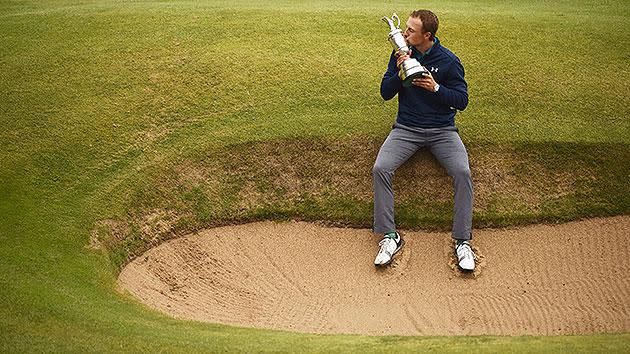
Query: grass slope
(134, 117)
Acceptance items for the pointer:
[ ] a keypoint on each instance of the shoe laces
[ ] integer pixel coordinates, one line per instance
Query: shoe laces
(466, 249)
(383, 243)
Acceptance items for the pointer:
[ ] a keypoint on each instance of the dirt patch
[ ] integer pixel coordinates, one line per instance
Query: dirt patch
(535, 280)
(107, 233)
(505, 178)
(155, 225)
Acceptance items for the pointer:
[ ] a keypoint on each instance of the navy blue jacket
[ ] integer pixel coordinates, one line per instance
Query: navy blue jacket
(418, 107)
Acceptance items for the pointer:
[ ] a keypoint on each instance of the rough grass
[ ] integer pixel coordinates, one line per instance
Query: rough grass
(128, 123)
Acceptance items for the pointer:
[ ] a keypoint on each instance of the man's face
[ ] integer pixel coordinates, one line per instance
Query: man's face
(413, 33)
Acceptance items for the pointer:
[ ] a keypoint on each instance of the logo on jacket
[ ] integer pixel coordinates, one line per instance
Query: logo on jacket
(434, 69)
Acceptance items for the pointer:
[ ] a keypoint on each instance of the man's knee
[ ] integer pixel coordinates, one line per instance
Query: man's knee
(380, 168)
(460, 172)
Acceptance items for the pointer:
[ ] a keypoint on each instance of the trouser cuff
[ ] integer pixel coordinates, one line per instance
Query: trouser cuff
(465, 236)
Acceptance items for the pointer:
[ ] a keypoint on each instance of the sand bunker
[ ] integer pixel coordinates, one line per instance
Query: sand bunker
(541, 280)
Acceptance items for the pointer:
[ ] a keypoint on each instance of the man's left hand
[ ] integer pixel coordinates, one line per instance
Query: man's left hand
(426, 82)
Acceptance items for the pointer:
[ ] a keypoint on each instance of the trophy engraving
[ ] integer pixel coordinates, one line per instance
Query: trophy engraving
(410, 68)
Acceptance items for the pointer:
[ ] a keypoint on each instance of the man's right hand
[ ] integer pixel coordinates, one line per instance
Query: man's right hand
(400, 58)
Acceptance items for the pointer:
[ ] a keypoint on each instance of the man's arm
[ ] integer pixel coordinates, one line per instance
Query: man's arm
(391, 83)
(454, 92)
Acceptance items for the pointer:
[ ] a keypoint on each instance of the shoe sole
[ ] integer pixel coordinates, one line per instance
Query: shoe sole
(402, 243)
(466, 270)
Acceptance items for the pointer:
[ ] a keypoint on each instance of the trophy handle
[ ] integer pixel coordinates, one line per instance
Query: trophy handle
(390, 22)
(394, 16)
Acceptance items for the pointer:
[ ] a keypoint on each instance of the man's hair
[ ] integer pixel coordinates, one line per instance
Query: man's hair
(429, 21)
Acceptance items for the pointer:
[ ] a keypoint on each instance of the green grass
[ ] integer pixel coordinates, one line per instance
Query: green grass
(221, 112)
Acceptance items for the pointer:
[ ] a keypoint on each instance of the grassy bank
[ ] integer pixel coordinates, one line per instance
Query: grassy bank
(130, 123)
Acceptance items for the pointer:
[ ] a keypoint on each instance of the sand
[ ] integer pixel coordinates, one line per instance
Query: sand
(563, 279)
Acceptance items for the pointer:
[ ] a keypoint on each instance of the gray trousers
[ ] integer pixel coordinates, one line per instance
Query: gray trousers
(448, 149)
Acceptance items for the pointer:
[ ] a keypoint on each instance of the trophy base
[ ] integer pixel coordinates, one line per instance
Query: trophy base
(411, 69)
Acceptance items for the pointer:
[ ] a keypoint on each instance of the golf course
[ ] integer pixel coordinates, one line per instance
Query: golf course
(183, 176)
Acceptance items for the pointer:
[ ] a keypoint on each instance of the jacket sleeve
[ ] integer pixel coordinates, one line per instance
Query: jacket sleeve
(391, 83)
(454, 92)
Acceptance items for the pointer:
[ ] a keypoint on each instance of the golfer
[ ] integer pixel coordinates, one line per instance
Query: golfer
(425, 119)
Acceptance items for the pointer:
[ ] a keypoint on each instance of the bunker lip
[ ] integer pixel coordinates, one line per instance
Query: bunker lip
(536, 280)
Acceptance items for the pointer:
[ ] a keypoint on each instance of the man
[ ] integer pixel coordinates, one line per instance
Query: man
(426, 118)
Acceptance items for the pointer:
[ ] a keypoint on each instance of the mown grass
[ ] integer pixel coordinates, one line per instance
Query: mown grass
(162, 118)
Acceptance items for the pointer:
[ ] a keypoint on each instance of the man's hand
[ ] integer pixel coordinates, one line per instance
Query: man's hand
(400, 58)
(426, 82)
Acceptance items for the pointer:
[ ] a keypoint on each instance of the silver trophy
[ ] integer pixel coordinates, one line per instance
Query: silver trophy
(410, 68)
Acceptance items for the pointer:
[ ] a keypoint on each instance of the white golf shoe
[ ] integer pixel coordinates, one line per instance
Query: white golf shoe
(390, 245)
(465, 256)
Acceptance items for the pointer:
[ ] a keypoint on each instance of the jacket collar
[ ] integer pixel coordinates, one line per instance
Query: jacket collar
(416, 53)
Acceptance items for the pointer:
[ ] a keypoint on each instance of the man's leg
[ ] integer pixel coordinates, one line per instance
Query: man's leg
(399, 146)
(449, 150)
